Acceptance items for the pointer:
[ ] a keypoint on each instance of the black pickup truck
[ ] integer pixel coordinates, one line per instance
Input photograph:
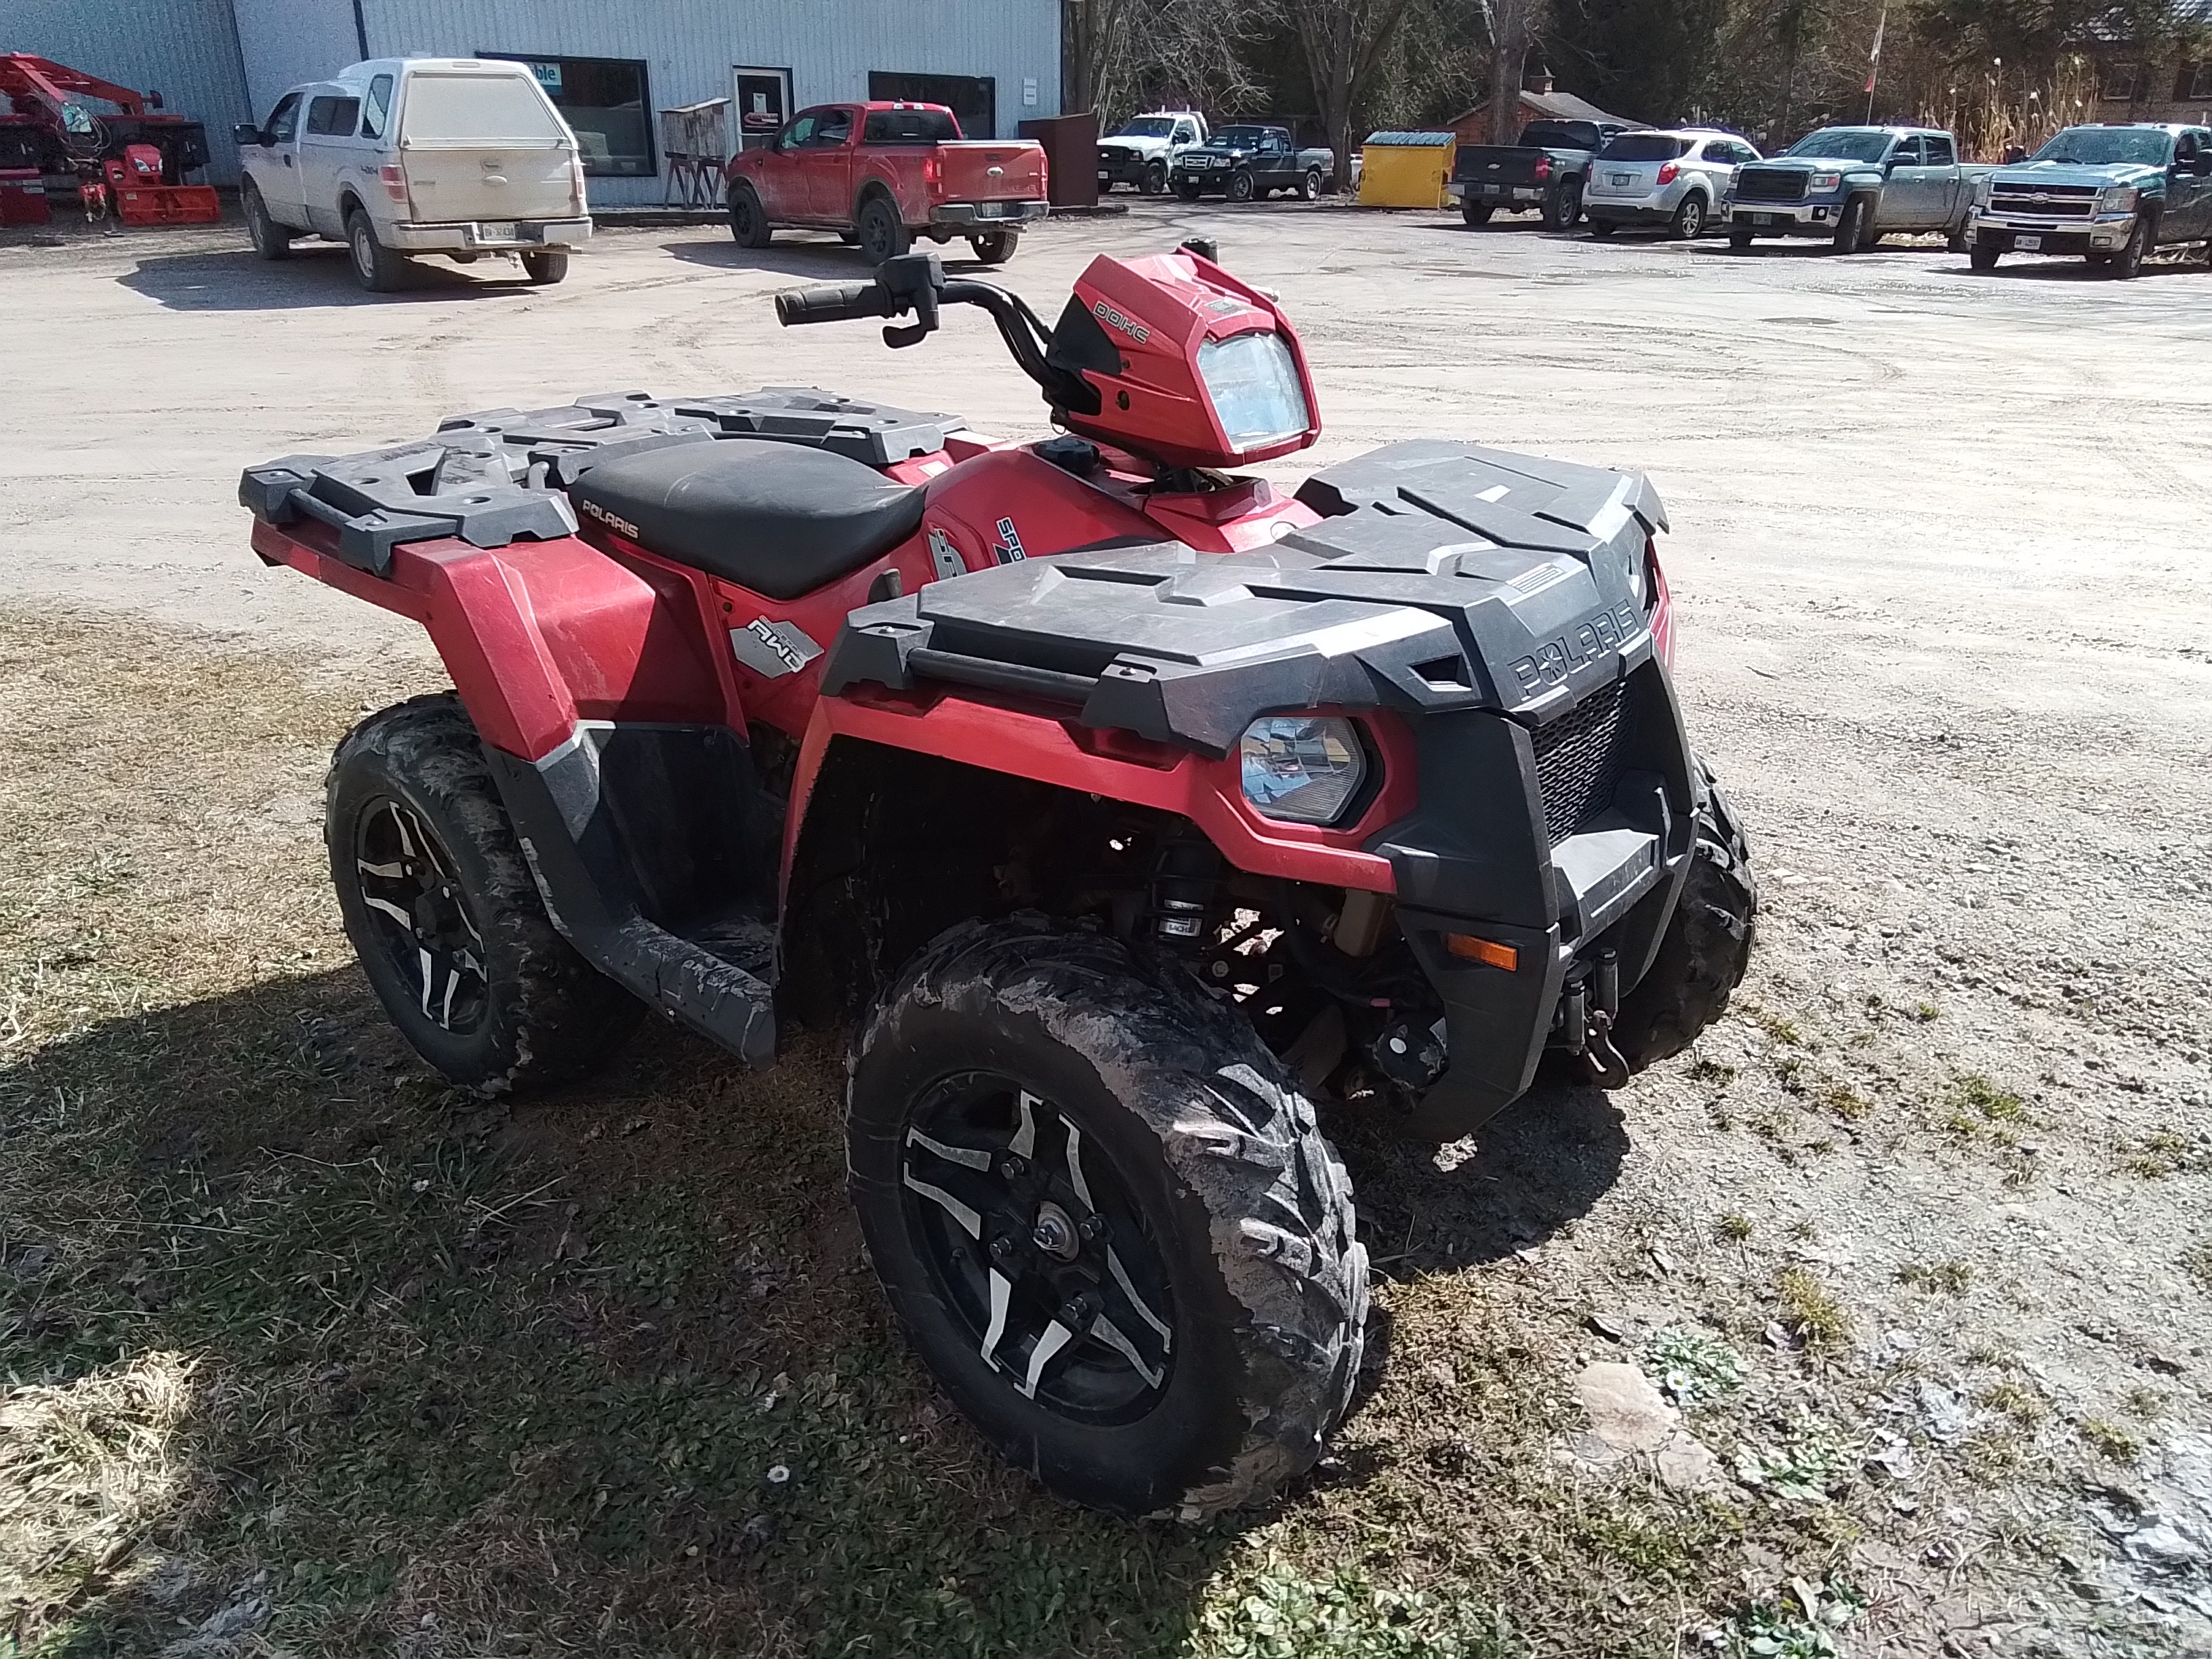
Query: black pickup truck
(1546, 171)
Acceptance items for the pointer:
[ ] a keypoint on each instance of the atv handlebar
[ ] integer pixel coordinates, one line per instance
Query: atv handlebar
(916, 282)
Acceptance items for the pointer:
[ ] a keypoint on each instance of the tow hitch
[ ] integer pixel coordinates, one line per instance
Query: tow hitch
(1587, 1011)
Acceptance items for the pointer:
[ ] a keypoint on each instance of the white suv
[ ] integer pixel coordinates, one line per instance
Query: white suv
(460, 157)
(1660, 177)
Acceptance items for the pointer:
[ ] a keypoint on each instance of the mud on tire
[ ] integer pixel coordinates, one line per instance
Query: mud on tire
(1033, 1050)
(475, 976)
(1706, 947)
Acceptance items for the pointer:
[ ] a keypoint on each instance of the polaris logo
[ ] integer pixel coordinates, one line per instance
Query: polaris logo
(1113, 319)
(1603, 633)
(609, 518)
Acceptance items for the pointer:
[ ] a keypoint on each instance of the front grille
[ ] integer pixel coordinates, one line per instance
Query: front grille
(1578, 760)
(2044, 200)
(1769, 184)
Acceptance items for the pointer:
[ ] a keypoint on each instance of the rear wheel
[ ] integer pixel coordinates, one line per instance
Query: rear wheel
(1604, 226)
(439, 905)
(375, 267)
(1106, 1220)
(995, 247)
(883, 232)
(1310, 186)
(1689, 220)
(1707, 944)
(747, 223)
(1242, 186)
(1852, 228)
(271, 239)
(1740, 240)
(1476, 214)
(546, 267)
(1563, 206)
(1983, 256)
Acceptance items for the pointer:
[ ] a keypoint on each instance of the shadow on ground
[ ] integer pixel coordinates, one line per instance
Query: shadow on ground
(316, 276)
(821, 258)
(605, 1372)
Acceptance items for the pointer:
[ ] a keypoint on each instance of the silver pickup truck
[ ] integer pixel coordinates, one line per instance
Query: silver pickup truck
(1854, 185)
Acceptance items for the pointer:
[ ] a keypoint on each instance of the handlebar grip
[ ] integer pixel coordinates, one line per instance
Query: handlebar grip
(831, 302)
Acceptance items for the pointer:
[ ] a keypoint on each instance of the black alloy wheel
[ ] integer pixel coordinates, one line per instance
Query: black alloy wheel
(748, 225)
(1242, 185)
(419, 919)
(883, 232)
(1153, 181)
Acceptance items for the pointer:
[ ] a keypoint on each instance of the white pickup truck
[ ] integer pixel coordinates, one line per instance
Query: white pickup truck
(461, 156)
(1143, 153)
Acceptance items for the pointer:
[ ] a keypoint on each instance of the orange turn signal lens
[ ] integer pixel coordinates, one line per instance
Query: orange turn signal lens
(1471, 949)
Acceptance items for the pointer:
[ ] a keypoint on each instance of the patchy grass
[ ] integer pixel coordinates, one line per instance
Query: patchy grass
(1732, 1229)
(2164, 1153)
(1812, 1308)
(1951, 1278)
(2196, 1262)
(2110, 1439)
(2017, 1401)
(1845, 1102)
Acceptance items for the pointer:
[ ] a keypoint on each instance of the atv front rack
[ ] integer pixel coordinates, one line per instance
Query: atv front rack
(496, 477)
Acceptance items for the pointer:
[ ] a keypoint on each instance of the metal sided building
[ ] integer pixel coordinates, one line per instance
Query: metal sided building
(611, 65)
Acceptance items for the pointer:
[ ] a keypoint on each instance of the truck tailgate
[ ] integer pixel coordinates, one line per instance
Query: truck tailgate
(1495, 164)
(980, 170)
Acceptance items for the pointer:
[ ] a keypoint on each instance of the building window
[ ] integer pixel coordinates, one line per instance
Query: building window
(2118, 81)
(974, 99)
(605, 101)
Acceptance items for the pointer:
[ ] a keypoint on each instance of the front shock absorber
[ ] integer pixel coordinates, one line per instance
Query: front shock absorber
(1183, 889)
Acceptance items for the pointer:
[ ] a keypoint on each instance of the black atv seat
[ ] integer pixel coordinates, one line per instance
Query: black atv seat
(779, 519)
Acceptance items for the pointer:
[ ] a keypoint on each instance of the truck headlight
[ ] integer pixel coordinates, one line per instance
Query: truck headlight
(2120, 198)
(1301, 769)
(1821, 181)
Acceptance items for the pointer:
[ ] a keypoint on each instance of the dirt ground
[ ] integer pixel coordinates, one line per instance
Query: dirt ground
(1917, 1243)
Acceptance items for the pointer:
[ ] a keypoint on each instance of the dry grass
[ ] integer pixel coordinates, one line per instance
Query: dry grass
(1811, 1309)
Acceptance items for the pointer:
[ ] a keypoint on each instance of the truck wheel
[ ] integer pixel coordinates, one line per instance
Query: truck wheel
(1309, 185)
(995, 247)
(1105, 1219)
(546, 268)
(748, 223)
(375, 267)
(442, 912)
(1852, 228)
(1153, 181)
(1241, 186)
(883, 232)
(1707, 944)
(1984, 255)
(1563, 206)
(271, 239)
(1959, 239)
(2129, 260)
(1740, 240)
(1190, 191)
(1476, 214)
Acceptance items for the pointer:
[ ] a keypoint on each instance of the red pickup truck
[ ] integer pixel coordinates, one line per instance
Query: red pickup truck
(882, 174)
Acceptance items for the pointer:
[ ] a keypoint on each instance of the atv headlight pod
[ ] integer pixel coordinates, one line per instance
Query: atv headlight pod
(1821, 181)
(1301, 769)
(1252, 381)
(2120, 198)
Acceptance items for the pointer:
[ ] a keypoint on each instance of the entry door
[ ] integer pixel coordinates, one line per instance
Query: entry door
(762, 97)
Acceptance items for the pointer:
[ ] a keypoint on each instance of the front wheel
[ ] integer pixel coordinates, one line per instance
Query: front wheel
(271, 239)
(1106, 1220)
(1154, 179)
(1984, 255)
(438, 902)
(545, 267)
(1851, 229)
(2130, 259)
(1707, 945)
(995, 247)
(748, 225)
(1476, 214)
(1189, 190)
(1689, 220)
(1241, 187)
(375, 267)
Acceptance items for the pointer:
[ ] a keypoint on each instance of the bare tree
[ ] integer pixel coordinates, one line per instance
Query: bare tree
(1344, 42)
(1511, 23)
(1124, 55)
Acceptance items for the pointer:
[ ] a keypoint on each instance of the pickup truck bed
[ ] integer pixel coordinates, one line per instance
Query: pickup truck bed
(1544, 173)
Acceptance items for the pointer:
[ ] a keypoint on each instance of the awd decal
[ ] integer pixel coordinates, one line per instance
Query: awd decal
(1009, 550)
(1607, 631)
(609, 518)
(773, 649)
(1113, 319)
(943, 556)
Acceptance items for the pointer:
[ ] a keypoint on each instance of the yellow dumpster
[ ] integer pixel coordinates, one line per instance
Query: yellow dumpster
(1405, 169)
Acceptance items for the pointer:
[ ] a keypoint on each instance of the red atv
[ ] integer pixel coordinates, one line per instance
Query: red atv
(1128, 807)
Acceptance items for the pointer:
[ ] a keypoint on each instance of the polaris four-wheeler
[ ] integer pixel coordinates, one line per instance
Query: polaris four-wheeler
(1130, 810)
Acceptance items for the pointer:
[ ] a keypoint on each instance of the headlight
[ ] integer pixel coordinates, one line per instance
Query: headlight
(2120, 198)
(1823, 181)
(1301, 769)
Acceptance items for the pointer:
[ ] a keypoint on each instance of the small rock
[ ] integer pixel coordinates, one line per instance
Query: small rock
(1779, 1335)
(1609, 1328)
(1686, 1463)
(2166, 1546)
(1626, 1409)
(1662, 1261)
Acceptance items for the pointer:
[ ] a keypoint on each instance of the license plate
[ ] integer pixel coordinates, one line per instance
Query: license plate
(2027, 243)
(1621, 177)
(1762, 218)
(1105, 177)
(990, 210)
(496, 233)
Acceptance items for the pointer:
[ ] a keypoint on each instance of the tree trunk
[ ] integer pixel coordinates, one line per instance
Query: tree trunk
(1509, 57)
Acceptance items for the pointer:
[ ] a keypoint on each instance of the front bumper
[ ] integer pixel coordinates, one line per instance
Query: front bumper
(1475, 860)
(1499, 196)
(1124, 169)
(516, 236)
(987, 216)
(2018, 232)
(1787, 218)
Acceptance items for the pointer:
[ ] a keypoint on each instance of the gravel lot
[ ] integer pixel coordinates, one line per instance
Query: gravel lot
(1944, 1178)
